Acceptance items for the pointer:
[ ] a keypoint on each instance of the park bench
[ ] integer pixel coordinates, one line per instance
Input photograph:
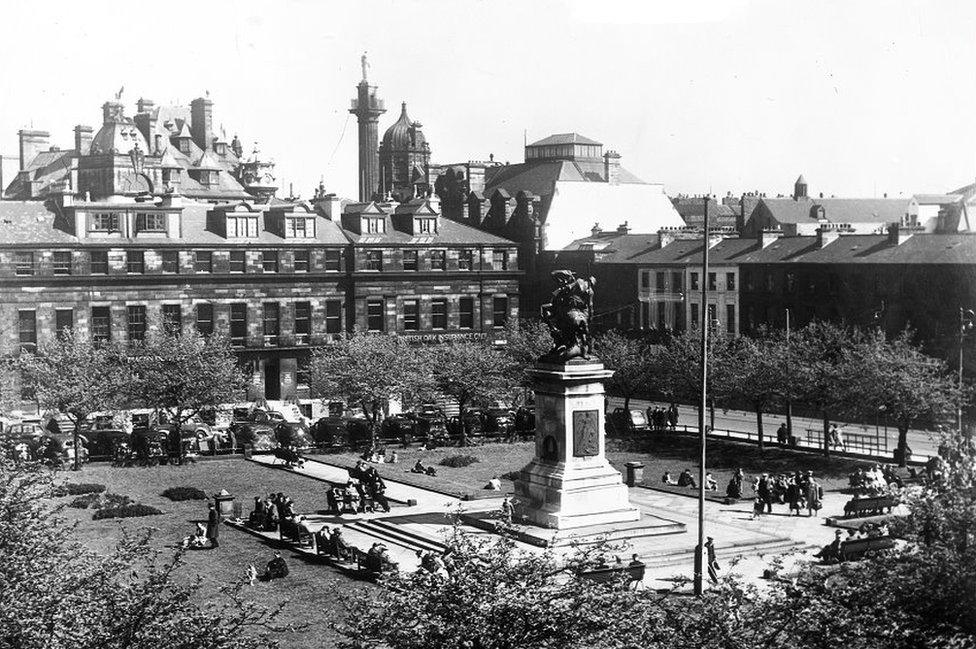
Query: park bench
(856, 549)
(370, 565)
(869, 506)
(629, 575)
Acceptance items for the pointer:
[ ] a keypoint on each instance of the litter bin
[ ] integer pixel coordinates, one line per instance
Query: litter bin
(224, 502)
(635, 473)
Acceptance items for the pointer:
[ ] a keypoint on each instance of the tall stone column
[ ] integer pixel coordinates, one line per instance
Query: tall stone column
(367, 108)
(569, 483)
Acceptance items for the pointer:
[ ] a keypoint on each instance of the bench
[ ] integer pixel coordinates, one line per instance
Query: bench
(857, 548)
(629, 575)
(869, 506)
(371, 566)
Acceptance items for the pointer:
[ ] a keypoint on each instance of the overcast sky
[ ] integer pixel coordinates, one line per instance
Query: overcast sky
(726, 95)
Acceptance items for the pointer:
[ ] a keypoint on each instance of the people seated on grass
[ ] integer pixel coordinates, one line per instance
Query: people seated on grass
(667, 479)
(198, 540)
(276, 568)
(687, 480)
(420, 468)
(710, 483)
(495, 484)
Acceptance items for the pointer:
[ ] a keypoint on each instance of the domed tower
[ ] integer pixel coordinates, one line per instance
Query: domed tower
(404, 159)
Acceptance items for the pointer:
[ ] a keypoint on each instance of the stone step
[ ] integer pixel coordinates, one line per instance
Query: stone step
(391, 533)
(778, 546)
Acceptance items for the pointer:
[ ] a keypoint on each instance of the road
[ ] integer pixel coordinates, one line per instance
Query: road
(740, 424)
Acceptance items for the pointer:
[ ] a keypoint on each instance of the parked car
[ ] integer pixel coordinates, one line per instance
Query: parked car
(102, 443)
(289, 433)
(622, 421)
(401, 427)
(340, 431)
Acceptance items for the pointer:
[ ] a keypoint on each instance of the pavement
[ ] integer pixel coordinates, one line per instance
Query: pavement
(740, 423)
(745, 546)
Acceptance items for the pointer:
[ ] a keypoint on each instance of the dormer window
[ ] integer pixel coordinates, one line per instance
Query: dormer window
(208, 177)
(183, 144)
(104, 222)
(373, 225)
(146, 222)
(425, 226)
(299, 227)
(220, 148)
(242, 226)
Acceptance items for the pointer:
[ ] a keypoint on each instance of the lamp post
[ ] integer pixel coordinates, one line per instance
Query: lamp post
(700, 548)
(789, 379)
(967, 320)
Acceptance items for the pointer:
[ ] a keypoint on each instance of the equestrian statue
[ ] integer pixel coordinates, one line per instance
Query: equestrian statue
(568, 315)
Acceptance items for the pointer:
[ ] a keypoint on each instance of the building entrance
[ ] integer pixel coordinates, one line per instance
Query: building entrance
(272, 380)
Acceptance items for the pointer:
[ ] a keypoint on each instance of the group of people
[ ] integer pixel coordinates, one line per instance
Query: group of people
(686, 479)
(205, 537)
(874, 480)
(799, 491)
(330, 542)
(662, 418)
(269, 513)
(364, 492)
(832, 552)
(419, 467)
(377, 455)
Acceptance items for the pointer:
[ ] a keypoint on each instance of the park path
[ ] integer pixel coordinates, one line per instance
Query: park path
(742, 424)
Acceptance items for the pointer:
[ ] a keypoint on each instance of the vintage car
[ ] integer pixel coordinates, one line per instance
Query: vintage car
(622, 421)
(340, 431)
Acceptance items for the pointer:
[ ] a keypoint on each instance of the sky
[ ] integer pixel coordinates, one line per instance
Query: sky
(862, 98)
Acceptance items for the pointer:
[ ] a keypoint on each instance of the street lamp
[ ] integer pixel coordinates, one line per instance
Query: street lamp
(967, 320)
(700, 548)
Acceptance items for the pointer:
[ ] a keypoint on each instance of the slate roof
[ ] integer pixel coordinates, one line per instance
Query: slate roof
(838, 210)
(692, 210)
(923, 248)
(540, 176)
(565, 138)
(643, 249)
(48, 167)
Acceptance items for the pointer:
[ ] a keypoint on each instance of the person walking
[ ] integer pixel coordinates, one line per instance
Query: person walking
(713, 567)
(213, 526)
(793, 494)
(673, 417)
(814, 494)
(765, 492)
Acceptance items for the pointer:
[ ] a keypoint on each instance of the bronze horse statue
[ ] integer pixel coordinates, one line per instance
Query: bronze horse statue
(568, 315)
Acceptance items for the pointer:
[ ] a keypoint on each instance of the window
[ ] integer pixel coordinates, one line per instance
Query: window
(269, 261)
(694, 282)
(770, 283)
(729, 281)
(437, 259)
(676, 282)
(711, 282)
(333, 316)
(411, 315)
(660, 281)
(135, 262)
(238, 261)
(242, 226)
(466, 313)
(63, 319)
(303, 374)
(300, 228)
(238, 324)
(271, 322)
(303, 322)
(694, 316)
(171, 261)
(98, 262)
(172, 318)
(409, 260)
(24, 263)
(679, 317)
(426, 226)
(150, 222)
(374, 226)
(61, 262)
(332, 260)
(662, 320)
(747, 277)
(101, 324)
(645, 280)
(104, 222)
(730, 318)
(27, 330)
(205, 319)
(712, 315)
(374, 315)
(438, 314)
(465, 260)
(301, 261)
(374, 260)
(203, 261)
(136, 328)
(499, 311)
(790, 282)
(499, 260)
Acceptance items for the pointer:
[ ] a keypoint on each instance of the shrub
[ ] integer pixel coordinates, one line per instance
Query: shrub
(458, 461)
(511, 475)
(126, 511)
(184, 493)
(78, 489)
(100, 501)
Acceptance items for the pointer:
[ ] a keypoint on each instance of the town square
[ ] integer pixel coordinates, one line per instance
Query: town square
(332, 325)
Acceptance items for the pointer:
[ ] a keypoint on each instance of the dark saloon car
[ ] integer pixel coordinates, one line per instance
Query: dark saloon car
(340, 431)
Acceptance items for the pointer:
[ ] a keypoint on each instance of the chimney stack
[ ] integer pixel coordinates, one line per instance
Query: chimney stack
(31, 143)
(596, 230)
(611, 167)
(769, 235)
(83, 139)
(623, 228)
(112, 111)
(899, 233)
(829, 232)
(201, 122)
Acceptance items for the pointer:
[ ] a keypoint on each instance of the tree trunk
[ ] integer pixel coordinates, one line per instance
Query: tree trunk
(462, 427)
(627, 402)
(759, 426)
(826, 434)
(901, 451)
(711, 414)
(76, 435)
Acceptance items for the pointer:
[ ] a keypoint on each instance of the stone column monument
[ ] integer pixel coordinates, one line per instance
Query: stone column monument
(569, 483)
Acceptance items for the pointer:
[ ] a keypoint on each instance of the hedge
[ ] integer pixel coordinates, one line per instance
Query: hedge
(78, 489)
(184, 493)
(126, 511)
(458, 461)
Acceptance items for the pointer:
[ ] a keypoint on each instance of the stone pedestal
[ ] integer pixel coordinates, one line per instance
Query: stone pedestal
(570, 484)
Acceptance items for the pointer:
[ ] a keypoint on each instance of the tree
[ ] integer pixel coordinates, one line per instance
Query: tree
(897, 377)
(630, 360)
(56, 593)
(753, 370)
(183, 372)
(75, 377)
(526, 340)
(366, 370)
(679, 366)
(471, 373)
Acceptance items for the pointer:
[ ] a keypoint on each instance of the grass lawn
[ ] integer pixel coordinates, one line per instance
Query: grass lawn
(314, 591)
(659, 453)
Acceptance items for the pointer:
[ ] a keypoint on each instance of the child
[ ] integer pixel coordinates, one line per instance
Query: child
(757, 508)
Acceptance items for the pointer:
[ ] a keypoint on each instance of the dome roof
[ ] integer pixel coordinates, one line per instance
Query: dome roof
(119, 136)
(404, 135)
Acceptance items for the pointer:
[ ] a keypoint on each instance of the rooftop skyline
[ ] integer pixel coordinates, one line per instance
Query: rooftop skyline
(733, 96)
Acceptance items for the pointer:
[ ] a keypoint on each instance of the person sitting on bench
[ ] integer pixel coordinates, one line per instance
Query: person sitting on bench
(337, 546)
(686, 479)
(831, 552)
(667, 479)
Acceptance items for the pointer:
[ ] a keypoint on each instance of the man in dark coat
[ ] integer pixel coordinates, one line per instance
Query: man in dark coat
(213, 526)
